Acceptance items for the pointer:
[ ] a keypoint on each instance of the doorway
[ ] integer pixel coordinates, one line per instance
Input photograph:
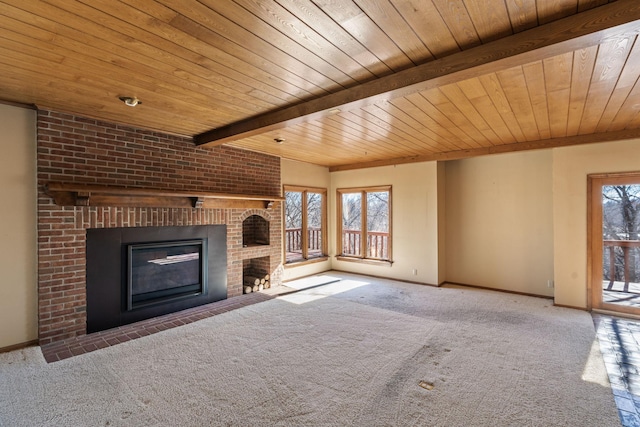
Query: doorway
(614, 242)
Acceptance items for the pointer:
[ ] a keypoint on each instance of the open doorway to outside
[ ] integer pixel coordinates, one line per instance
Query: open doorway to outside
(614, 246)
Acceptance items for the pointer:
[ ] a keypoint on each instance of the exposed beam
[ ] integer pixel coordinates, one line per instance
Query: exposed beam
(566, 35)
(622, 135)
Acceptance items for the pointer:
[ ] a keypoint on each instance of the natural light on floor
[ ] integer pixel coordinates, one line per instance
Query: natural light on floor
(594, 371)
(333, 287)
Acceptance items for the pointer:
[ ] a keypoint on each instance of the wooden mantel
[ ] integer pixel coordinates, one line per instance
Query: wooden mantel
(97, 195)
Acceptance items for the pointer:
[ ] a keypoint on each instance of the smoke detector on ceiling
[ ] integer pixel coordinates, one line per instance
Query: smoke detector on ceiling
(131, 101)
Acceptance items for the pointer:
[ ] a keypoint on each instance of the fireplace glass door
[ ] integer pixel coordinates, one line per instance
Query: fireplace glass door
(159, 272)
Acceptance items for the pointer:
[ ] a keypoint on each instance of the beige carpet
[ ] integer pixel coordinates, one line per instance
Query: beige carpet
(358, 352)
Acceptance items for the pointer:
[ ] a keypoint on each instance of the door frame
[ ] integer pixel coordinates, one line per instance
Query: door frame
(595, 182)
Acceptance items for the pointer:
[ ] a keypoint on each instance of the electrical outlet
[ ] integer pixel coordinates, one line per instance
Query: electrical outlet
(549, 283)
(415, 271)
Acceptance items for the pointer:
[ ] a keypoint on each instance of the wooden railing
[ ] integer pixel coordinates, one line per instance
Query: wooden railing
(626, 246)
(294, 239)
(377, 243)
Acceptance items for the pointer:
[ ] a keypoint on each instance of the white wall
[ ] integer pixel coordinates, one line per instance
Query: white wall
(18, 253)
(415, 227)
(305, 174)
(499, 229)
(571, 165)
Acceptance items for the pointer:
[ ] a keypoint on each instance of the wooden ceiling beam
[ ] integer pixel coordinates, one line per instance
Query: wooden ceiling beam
(568, 141)
(575, 32)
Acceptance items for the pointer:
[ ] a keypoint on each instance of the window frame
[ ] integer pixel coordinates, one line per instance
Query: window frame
(363, 258)
(304, 237)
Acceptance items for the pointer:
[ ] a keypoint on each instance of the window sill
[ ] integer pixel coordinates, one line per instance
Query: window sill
(305, 262)
(370, 261)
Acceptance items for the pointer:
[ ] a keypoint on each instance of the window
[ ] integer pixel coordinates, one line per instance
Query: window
(364, 223)
(305, 223)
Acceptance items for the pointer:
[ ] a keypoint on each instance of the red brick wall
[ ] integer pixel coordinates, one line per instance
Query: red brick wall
(80, 150)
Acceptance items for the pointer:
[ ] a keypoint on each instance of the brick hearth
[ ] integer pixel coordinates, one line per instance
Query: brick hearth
(78, 150)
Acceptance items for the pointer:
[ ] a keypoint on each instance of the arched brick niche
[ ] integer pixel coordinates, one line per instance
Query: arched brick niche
(255, 231)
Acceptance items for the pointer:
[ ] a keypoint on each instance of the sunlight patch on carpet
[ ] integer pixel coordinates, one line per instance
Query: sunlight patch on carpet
(312, 281)
(594, 370)
(323, 291)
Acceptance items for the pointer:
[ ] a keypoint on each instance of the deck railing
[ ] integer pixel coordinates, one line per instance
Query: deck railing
(377, 243)
(628, 265)
(294, 239)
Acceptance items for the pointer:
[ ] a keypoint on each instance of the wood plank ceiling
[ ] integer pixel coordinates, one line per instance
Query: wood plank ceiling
(344, 83)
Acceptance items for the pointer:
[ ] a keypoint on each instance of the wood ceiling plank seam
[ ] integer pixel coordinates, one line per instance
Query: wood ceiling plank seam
(11, 40)
(375, 148)
(372, 142)
(559, 102)
(384, 14)
(634, 123)
(440, 112)
(514, 85)
(452, 114)
(459, 99)
(439, 123)
(338, 130)
(274, 70)
(317, 20)
(629, 110)
(584, 61)
(491, 85)
(490, 19)
(156, 56)
(145, 87)
(354, 21)
(491, 115)
(455, 15)
(590, 4)
(552, 10)
(334, 141)
(379, 147)
(383, 112)
(316, 158)
(346, 135)
(483, 104)
(242, 28)
(628, 78)
(536, 88)
(348, 125)
(425, 124)
(523, 15)
(194, 36)
(373, 114)
(318, 151)
(426, 22)
(278, 17)
(374, 131)
(187, 47)
(612, 55)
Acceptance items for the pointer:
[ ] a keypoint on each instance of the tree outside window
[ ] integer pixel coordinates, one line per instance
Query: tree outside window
(621, 224)
(305, 223)
(365, 222)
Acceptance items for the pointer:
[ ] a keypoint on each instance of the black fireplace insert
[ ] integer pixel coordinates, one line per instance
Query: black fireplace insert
(136, 273)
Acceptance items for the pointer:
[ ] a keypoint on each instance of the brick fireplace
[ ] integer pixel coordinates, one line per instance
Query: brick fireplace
(77, 150)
